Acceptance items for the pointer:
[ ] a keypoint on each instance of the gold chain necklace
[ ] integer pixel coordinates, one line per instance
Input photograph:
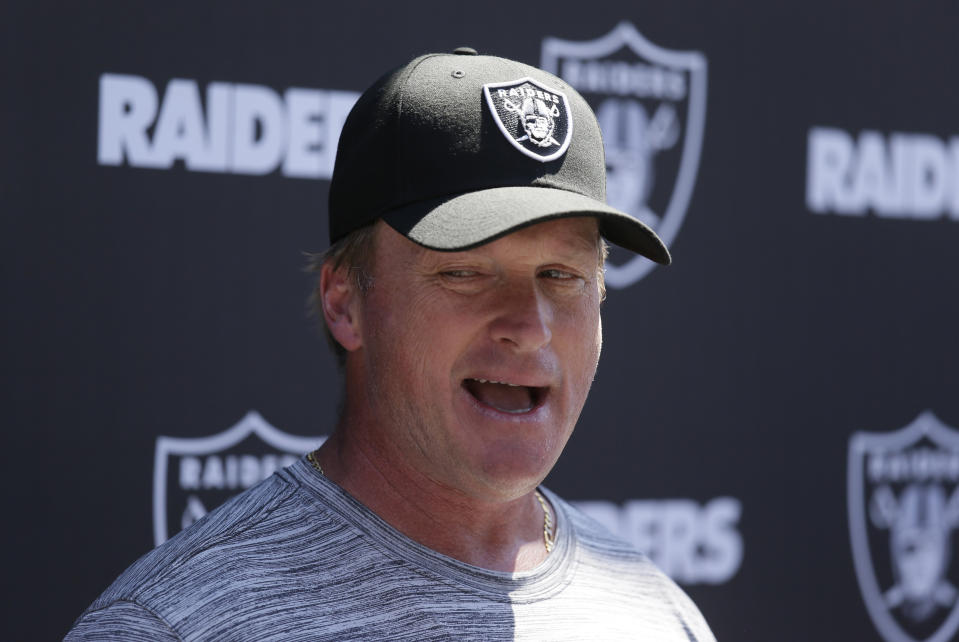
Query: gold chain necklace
(548, 537)
(311, 457)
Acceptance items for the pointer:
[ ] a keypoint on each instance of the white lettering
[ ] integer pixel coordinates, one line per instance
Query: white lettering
(230, 472)
(623, 78)
(128, 105)
(216, 157)
(928, 176)
(907, 176)
(829, 158)
(873, 185)
(691, 543)
(244, 129)
(723, 552)
(954, 177)
(180, 130)
(249, 470)
(315, 121)
(270, 465)
(258, 129)
(190, 468)
(306, 108)
(922, 464)
(213, 475)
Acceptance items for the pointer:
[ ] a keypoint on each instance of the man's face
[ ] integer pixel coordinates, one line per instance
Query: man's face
(475, 365)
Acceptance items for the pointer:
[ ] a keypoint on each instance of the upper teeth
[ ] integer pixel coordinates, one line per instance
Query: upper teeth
(505, 383)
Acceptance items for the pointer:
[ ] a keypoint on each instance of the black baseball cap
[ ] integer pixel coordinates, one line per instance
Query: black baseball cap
(456, 150)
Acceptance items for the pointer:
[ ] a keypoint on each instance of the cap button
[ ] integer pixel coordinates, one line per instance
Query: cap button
(465, 51)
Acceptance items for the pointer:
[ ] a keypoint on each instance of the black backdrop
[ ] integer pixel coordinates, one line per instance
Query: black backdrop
(143, 302)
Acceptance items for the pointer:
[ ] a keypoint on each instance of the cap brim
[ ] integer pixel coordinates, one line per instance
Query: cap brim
(468, 220)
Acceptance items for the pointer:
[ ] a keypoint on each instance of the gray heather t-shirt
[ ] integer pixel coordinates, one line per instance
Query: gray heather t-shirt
(297, 558)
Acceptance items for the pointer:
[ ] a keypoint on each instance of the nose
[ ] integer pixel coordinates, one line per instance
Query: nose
(524, 318)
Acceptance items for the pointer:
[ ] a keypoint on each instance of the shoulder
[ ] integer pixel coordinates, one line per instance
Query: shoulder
(121, 620)
(226, 550)
(606, 560)
(593, 536)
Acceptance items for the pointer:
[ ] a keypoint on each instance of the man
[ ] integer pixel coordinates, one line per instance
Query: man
(462, 294)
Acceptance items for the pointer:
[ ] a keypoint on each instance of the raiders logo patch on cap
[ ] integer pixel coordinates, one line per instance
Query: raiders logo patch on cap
(534, 118)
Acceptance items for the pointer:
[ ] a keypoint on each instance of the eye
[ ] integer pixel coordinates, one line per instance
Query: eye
(560, 275)
(459, 274)
(464, 280)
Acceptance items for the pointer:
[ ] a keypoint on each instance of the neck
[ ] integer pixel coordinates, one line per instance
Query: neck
(503, 534)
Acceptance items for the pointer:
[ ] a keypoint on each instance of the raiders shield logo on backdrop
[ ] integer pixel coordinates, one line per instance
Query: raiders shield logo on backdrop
(651, 106)
(533, 117)
(192, 476)
(903, 512)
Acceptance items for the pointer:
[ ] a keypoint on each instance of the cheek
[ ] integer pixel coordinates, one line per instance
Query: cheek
(410, 332)
(583, 336)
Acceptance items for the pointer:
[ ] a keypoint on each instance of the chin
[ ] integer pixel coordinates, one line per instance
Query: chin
(516, 470)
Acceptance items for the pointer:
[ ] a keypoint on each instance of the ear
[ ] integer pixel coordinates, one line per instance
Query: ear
(341, 307)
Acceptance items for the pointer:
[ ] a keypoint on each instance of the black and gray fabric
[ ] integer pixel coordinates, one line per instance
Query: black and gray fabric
(297, 558)
(438, 152)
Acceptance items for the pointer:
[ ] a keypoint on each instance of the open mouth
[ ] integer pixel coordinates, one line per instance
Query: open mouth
(506, 397)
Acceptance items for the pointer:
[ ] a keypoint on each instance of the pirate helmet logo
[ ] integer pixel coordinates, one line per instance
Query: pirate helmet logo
(534, 117)
(651, 106)
(193, 475)
(903, 511)
(537, 120)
